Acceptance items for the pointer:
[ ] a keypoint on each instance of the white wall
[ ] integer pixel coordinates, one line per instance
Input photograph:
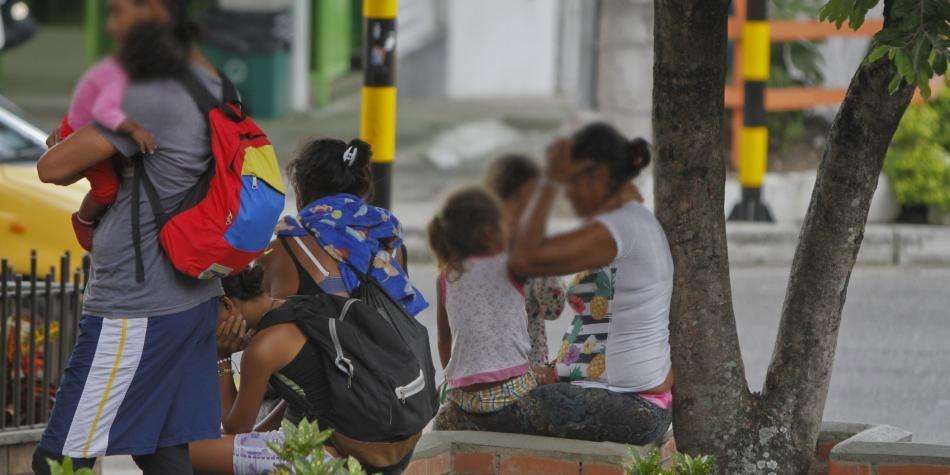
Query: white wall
(500, 48)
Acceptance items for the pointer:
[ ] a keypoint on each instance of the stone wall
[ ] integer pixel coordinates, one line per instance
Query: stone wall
(843, 449)
(443, 452)
(883, 450)
(16, 451)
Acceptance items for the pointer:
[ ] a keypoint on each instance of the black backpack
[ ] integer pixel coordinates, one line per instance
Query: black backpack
(378, 364)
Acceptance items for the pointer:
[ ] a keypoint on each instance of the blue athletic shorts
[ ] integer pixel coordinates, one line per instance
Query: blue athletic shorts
(133, 385)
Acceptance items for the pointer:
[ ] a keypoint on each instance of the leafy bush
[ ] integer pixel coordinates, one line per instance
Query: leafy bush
(66, 468)
(652, 464)
(303, 453)
(918, 161)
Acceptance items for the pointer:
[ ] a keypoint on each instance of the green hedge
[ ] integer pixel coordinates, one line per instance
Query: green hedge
(918, 161)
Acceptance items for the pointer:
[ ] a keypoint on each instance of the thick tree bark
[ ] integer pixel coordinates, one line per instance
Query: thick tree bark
(714, 412)
(797, 382)
(711, 394)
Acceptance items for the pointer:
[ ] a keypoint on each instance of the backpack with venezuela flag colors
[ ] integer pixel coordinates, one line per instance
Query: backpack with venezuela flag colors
(228, 218)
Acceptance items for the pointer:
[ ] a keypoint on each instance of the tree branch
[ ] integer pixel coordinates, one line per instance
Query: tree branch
(797, 382)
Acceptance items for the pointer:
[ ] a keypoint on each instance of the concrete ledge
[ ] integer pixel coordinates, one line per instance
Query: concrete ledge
(16, 450)
(20, 436)
(444, 452)
(883, 449)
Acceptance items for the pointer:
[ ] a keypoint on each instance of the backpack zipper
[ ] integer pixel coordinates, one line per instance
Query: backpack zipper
(341, 362)
(411, 389)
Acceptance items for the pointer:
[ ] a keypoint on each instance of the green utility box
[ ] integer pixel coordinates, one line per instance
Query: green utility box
(262, 78)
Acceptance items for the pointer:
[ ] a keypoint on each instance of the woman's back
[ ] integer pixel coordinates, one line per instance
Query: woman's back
(486, 314)
(620, 336)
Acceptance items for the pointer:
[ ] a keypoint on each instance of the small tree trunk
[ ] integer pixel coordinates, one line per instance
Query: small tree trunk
(797, 382)
(711, 397)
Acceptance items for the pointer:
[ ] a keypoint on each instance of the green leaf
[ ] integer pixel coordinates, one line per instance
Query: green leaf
(939, 64)
(877, 53)
(905, 66)
(924, 84)
(895, 84)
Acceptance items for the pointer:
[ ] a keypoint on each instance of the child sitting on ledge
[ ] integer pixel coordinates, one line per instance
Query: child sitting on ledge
(483, 335)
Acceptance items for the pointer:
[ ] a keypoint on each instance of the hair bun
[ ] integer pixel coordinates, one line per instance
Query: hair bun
(639, 152)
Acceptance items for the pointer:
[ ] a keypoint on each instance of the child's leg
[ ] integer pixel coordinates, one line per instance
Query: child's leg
(91, 210)
(105, 185)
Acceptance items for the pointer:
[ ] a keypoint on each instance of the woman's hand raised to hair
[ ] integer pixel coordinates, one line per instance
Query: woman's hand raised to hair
(232, 335)
(559, 166)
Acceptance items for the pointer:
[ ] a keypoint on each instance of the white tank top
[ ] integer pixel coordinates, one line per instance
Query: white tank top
(486, 313)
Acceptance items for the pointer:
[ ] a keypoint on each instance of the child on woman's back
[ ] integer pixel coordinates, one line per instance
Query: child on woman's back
(513, 179)
(483, 337)
(98, 99)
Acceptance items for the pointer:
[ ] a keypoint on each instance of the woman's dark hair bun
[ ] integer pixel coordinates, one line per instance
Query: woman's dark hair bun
(639, 151)
(603, 144)
(325, 167)
(363, 152)
(245, 285)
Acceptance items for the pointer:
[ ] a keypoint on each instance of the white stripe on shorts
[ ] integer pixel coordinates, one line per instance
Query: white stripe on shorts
(118, 352)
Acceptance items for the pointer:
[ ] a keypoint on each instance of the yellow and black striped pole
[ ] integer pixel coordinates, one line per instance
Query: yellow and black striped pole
(378, 108)
(754, 141)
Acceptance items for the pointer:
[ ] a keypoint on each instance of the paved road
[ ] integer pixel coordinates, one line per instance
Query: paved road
(893, 357)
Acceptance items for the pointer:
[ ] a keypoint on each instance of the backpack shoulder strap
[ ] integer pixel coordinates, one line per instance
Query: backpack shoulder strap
(283, 314)
(199, 93)
(140, 180)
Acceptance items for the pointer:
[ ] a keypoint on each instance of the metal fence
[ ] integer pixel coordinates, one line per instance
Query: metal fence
(39, 324)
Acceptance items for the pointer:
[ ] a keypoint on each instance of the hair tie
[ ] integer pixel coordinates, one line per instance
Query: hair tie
(349, 156)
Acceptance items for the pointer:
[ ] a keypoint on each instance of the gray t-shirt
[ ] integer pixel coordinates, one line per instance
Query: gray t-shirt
(165, 109)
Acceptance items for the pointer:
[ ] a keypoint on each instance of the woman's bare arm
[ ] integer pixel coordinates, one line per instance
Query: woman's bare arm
(442, 326)
(534, 254)
(265, 355)
(64, 163)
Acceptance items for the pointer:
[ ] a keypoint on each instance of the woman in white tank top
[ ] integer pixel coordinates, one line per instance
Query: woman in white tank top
(614, 361)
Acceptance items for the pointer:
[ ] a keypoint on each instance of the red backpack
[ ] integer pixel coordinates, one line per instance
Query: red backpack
(228, 218)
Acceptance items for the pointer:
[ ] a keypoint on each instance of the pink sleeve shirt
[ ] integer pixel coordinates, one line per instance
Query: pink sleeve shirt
(98, 96)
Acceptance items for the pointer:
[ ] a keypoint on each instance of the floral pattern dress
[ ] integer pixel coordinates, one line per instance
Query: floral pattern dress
(583, 352)
(544, 300)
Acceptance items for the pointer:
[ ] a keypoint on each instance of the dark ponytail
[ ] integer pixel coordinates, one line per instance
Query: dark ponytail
(464, 228)
(603, 144)
(246, 285)
(325, 167)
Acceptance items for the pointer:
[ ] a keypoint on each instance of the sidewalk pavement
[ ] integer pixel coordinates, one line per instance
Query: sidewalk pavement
(750, 244)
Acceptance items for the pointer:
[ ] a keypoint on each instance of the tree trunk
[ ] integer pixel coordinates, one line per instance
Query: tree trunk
(711, 394)
(714, 412)
(797, 382)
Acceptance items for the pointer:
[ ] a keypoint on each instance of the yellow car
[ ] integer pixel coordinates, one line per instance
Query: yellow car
(33, 215)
